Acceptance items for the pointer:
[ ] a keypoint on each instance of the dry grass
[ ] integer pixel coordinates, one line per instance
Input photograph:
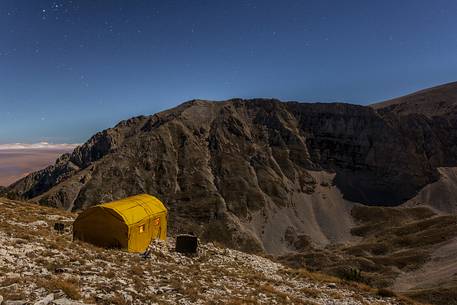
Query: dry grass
(386, 293)
(10, 281)
(70, 286)
(13, 295)
(110, 274)
(335, 294)
(238, 301)
(136, 269)
(117, 299)
(316, 276)
(312, 292)
(7, 290)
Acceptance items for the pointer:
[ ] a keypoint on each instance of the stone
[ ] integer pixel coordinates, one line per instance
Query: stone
(65, 301)
(38, 223)
(48, 299)
(16, 302)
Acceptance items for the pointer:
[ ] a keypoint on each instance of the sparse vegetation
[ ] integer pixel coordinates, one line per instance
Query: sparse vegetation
(387, 293)
(353, 274)
(70, 286)
(90, 274)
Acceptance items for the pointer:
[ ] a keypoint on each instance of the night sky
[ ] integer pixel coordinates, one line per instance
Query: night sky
(71, 68)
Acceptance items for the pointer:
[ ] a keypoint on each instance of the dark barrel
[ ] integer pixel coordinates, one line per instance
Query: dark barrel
(186, 243)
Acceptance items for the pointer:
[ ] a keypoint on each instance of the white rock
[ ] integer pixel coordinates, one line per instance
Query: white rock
(38, 223)
(331, 285)
(65, 301)
(48, 299)
(14, 302)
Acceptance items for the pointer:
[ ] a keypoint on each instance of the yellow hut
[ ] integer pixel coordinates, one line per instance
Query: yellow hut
(130, 223)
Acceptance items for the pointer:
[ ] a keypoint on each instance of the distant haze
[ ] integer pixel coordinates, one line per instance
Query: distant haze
(17, 160)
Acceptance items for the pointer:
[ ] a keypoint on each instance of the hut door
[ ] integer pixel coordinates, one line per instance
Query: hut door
(155, 228)
(140, 237)
(148, 231)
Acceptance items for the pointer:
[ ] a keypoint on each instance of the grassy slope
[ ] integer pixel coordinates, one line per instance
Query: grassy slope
(392, 242)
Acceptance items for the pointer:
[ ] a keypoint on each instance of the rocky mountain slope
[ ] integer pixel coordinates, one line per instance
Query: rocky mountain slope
(40, 266)
(428, 117)
(246, 172)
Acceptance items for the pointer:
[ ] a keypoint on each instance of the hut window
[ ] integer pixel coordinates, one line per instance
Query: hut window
(141, 228)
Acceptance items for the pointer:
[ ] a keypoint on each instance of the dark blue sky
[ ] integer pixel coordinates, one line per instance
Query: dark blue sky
(71, 68)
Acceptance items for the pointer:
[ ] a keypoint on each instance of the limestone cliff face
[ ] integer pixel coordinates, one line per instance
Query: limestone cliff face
(222, 166)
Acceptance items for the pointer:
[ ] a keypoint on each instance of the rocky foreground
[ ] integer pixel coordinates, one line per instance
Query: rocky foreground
(41, 266)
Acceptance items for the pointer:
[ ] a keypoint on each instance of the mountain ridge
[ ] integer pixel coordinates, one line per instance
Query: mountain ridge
(423, 101)
(217, 165)
(101, 143)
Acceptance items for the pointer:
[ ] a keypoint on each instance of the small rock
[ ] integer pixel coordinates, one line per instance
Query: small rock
(20, 302)
(63, 270)
(48, 299)
(331, 285)
(38, 223)
(65, 301)
(1, 300)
